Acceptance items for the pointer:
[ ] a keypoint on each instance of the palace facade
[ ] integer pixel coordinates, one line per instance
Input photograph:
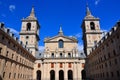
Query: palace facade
(16, 60)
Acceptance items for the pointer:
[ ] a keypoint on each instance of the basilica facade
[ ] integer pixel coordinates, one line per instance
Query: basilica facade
(60, 60)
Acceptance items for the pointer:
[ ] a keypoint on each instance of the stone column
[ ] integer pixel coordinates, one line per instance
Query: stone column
(65, 71)
(56, 72)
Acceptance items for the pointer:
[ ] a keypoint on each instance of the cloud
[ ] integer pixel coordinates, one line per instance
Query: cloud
(80, 46)
(41, 48)
(12, 8)
(78, 35)
(14, 31)
(96, 2)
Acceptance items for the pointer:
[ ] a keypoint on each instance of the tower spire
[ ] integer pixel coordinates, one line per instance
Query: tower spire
(60, 31)
(32, 14)
(88, 12)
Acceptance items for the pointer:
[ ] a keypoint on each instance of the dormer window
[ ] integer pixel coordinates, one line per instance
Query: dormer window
(92, 26)
(60, 43)
(28, 26)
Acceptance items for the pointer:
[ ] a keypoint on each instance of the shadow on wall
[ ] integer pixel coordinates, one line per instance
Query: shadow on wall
(1, 78)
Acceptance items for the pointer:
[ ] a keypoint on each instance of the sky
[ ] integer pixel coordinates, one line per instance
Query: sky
(53, 13)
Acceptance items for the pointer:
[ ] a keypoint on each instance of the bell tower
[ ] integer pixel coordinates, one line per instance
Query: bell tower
(29, 33)
(91, 31)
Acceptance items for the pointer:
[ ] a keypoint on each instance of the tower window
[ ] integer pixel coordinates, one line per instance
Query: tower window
(60, 54)
(27, 37)
(92, 26)
(28, 26)
(60, 43)
(69, 55)
(52, 55)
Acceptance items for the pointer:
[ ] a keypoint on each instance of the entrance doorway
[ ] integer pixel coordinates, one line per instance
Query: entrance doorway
(83, 72)
(52, 75)
(61, 75)
(70, 75)
(38, 75)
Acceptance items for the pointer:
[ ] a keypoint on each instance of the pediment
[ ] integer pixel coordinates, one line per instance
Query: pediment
(57, 38)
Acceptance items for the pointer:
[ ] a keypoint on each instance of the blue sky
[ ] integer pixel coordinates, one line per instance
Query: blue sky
(53, 13)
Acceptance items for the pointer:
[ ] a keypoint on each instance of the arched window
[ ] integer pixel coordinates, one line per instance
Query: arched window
(61, 55)
(52, 55)
(52, 75)
(9, 75)
(92, 26)
(61, 44)
(69, 55)
(3, 74)
(28, 26)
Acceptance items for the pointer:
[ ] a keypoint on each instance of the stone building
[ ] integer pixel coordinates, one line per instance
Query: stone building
(61, 59)
(103, 53)
(16, 61)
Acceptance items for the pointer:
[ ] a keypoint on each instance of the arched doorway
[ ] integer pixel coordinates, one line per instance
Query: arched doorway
(83, 72)
(70, 75)
(38, 75)
(61, 75)
(52, 75)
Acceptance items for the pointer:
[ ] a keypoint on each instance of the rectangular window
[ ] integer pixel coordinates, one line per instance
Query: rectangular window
(112, 74)
(118, 74)
(38, 65)
(108, 55)
(12, 56)
(114, 53)
(61, 65)
(107, 74)
(16, 58)
(7, 53)
(52, 65)
(69, 65)
(116, 61)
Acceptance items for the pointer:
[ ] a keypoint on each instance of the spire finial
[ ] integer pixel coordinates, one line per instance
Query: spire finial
(32, 14)
(60, 31)
(87, 10)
